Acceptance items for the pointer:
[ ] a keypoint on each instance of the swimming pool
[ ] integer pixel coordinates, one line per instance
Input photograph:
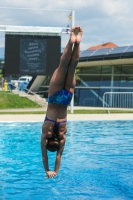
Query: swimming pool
(97, 162)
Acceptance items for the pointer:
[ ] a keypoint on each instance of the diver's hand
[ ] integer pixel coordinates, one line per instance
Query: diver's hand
(50, 174)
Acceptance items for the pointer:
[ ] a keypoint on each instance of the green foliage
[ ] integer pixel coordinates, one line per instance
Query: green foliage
(1, 75)
(78, 71)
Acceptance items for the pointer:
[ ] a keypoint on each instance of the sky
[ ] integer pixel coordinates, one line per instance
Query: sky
(102, 20)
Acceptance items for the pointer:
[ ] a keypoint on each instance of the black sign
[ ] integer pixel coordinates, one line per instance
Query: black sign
(31, 55)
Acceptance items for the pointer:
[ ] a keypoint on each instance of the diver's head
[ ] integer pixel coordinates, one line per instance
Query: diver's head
(53, 144)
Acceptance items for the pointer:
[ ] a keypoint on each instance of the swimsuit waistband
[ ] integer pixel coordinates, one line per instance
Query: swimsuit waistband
(57, 123)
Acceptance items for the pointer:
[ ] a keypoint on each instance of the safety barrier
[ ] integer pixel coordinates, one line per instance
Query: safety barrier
(118, 100)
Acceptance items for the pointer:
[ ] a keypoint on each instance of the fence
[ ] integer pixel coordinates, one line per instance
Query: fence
(118, 99)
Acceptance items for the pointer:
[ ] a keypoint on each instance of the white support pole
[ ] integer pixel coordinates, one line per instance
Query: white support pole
(73, 24)
(73, 18)
(112, 84)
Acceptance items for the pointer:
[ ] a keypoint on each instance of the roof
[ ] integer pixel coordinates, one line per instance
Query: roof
(103, 46)
(106, 54)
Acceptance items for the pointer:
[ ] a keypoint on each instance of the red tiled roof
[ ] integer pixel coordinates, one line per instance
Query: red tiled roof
(105, 45)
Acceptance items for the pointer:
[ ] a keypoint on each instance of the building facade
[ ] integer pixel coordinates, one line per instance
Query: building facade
(103, 70)
(99, 71)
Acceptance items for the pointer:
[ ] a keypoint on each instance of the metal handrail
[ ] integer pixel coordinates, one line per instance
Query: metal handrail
(118, 100)
(29, 91)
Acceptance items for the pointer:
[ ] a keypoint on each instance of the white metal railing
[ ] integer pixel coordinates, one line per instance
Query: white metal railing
(35, 94)
(118, 99)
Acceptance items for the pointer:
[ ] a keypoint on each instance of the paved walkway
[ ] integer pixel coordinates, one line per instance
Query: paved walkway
(45, 108)
(24, 109)
(70, 117)
(40, 117)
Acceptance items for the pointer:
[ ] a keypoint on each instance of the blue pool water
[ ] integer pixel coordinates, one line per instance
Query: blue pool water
(97, 162)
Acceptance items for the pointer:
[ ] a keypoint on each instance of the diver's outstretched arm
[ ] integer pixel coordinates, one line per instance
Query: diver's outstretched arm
(59, 154)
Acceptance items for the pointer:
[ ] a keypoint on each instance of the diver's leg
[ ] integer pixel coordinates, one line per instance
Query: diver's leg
(58, 78)
(70, 77)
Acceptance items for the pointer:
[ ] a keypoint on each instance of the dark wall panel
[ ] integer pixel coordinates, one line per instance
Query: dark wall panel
(31, 55)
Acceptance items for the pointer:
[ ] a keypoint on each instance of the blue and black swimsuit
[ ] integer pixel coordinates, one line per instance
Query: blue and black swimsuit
(62, 96)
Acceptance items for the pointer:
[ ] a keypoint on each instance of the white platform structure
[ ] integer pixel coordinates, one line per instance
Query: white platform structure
(36, 30)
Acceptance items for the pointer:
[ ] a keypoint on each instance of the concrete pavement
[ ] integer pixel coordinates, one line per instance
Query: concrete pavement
(70, 117)
(40, 117)
(24, 109)
(45, 108)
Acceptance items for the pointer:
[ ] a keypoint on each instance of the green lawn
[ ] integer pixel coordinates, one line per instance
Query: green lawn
(10, 100)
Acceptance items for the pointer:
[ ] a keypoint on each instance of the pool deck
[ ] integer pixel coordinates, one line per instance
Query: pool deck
(70, 117)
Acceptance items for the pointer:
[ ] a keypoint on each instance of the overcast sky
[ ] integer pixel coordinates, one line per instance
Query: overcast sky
(102, 20)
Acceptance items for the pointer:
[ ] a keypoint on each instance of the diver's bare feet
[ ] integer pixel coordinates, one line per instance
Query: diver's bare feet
(72, 36)
(79, 35)
(74, 33)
